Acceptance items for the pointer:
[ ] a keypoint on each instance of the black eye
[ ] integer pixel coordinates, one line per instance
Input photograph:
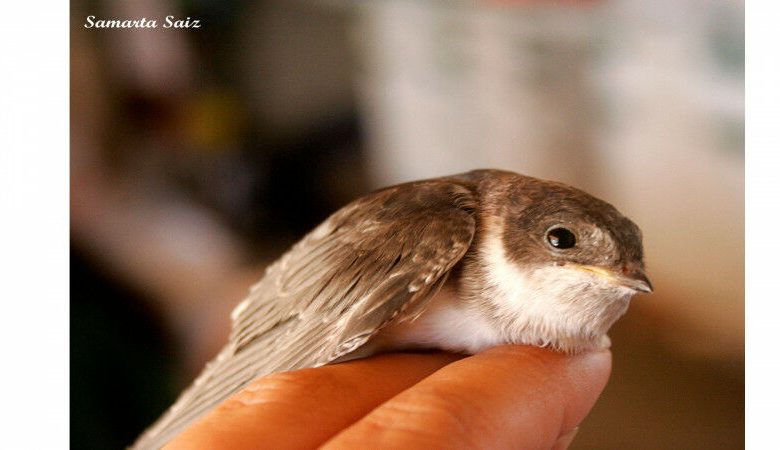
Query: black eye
(561, 238)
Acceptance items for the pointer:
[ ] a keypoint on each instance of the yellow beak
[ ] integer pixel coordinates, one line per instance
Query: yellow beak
(634, 278)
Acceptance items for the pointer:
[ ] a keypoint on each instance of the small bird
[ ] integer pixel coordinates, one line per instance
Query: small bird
(460, 263)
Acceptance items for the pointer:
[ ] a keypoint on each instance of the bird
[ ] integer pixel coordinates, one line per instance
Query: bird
(459, 263)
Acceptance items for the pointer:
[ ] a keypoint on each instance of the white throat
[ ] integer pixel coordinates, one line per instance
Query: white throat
(553, 306)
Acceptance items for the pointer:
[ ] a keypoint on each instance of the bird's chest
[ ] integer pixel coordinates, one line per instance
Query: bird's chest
(447, 323)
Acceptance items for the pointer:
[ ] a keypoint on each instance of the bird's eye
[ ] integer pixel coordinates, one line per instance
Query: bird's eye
(561, 238)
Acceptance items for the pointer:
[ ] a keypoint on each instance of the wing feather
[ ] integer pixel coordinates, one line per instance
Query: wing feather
(377, 259)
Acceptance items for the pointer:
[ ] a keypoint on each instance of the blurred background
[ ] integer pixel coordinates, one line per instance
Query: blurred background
(199, 155)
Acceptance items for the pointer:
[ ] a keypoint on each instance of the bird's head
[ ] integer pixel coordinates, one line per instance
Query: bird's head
(562, 263)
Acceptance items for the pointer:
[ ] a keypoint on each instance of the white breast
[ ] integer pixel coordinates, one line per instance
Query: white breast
(448, 324)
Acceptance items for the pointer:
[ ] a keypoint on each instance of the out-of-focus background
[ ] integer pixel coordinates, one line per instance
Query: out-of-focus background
(199, 155)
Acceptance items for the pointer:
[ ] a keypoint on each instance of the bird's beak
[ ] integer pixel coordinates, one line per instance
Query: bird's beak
(631, 277)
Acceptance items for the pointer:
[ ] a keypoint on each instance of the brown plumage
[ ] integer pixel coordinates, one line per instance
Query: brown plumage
(374, 268)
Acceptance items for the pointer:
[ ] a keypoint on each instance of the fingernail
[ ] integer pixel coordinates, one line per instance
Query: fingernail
(594, 360)
(565, 441)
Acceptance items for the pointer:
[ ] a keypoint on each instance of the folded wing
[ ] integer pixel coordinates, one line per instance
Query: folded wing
(377, 259)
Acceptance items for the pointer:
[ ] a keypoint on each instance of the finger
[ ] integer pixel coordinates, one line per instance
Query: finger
(507, 397)
(304, 408)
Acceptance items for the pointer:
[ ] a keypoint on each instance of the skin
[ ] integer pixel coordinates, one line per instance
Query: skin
(506, 397)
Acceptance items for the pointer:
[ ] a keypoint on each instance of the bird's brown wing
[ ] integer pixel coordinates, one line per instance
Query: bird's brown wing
(377, 259)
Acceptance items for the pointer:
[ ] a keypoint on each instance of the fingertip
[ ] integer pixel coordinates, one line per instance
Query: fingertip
(574, 381)
(593, 365)
(587, 375)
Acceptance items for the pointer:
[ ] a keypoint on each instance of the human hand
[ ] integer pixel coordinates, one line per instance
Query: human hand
(506, 397)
